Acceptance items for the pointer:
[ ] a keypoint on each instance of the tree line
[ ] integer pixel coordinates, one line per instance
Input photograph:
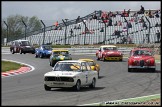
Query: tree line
(16, 28)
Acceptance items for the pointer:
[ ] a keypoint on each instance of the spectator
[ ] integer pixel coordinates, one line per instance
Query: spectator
(123, 14)
(157, 15)
(116, 32)
(128, 12)
(142, 10)
(102, 29)
(71, 32)
(75, 27)
(56, 24)
(116, 23)
(157, 25)
(146, 14)
(150, 14)
(77, 20)
(79, 27)
(158, 36)
(129, 25)
(119, 23)
(144, 25)
(129, 40)
(60, 28)
(110, 22)
(141, 20)
(94, 16)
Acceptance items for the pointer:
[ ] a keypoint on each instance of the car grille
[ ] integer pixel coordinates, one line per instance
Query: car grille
(141, 62)
(66, 79)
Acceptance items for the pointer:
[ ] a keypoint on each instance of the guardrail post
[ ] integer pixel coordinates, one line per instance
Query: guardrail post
(148, 36)
(105, 32)
(85, 30)
(65, 29)
(43, 30)
(7, 32)
(25, 28)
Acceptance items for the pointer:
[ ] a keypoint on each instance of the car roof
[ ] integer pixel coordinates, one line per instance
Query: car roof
(79, 61)
(108, 46)
(59, 50)
(86, 59)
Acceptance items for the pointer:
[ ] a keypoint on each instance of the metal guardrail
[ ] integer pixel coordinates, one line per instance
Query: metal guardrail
(78, 50)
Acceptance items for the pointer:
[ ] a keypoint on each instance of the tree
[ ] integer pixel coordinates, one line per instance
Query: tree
(16, 27)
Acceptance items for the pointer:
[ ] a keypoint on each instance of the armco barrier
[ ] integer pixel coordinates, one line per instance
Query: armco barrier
(78, 50)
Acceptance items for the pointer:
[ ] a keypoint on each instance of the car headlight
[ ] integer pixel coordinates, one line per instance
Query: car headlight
(71, 80)
(135, 61)
(148, 61)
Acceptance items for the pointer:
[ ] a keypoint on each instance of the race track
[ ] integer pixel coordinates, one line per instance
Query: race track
(115, 83)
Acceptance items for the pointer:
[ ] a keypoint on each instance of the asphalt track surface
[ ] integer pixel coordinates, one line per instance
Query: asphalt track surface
(115, 83)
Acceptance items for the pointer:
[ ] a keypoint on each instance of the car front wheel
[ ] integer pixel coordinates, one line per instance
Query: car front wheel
(93, 83)
(41, 55)
(46, 87)
(130, 69)
(77, 86)
(12, 51)
(20, 51)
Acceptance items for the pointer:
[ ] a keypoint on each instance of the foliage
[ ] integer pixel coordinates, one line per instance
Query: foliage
(6, 66)
(16, 28)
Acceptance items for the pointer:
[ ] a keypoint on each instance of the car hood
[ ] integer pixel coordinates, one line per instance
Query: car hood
(62, 73)
(113, 52)
(48, 51)
(141, 57)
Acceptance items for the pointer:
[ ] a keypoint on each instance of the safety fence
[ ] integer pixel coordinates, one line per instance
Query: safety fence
(96, 29)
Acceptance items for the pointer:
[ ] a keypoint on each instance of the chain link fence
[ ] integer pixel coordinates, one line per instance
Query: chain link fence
(99, 28)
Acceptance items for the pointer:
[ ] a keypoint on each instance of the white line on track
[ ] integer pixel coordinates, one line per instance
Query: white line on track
(120, 100)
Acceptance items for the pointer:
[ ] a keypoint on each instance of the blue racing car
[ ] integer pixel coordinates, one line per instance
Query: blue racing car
(43, 51)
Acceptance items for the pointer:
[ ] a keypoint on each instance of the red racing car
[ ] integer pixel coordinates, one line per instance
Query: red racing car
(141, 58)
(109, 52)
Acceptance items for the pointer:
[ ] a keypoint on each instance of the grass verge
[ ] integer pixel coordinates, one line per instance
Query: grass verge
(7, 65)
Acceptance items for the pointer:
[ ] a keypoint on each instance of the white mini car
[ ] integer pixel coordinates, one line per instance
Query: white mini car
(70, 73)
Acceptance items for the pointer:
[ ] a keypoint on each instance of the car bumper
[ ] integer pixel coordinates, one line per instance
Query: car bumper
(29, 51)
(141, 67)
(114, 58)
(56, 84)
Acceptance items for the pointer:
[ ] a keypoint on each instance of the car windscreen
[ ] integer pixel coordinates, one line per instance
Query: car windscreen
(47, 47)
(25, 43)
(91, 63)
(109, 48)
(142, 52)
(67, 66)
(65, 53)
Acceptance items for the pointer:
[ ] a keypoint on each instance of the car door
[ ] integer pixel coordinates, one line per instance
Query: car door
(84, 76)
(17, 46)
(90, 73)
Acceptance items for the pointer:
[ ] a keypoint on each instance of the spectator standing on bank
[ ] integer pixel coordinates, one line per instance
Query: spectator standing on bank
(142, 10)
(158, 36)
(102, 29)
(77, 20)
(71, 32)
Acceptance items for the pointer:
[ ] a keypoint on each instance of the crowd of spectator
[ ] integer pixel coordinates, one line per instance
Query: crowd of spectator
(106, 17)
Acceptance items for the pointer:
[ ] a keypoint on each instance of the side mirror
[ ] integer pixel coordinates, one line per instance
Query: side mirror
(52, 68)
